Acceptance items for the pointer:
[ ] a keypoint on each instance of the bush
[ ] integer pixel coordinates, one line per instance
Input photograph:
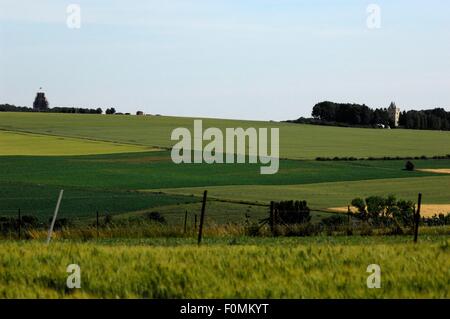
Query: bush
(437, 220)
(61, 223)
(156, 217)
(11, 224)
(300, 230)
(253, 230)
(409, 166)
(292, 212)
(385, 211)
(395, 230)
(405, 213)
(361, 206)
(334, 221)
(30, 221)
(366, 230)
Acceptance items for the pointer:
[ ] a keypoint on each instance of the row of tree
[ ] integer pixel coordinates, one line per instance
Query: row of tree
(362, 115)
(75, 110)
(352, 114)
(13, 108)
(436, 119)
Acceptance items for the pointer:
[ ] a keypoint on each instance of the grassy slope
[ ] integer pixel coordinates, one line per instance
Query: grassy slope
(104, 182)
(99, 182)
(288, 268)
(217, 213)
(436, 190)
(154, 170)
(17, 143)
(296, 141)
(40, 201)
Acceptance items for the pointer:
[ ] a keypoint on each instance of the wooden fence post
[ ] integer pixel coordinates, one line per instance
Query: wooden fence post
(185, 222)
(202, 218)
(50, 230)
(417, 218)
(20, 225)
(271, 217)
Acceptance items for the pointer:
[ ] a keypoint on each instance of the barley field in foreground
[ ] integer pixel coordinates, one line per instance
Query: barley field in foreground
(247, 268)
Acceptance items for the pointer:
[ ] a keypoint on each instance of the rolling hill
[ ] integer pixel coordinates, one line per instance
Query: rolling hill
(297, 141)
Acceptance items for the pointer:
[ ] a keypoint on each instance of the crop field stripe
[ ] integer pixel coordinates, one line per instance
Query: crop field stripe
(436, 190)
(297, 141)
(145, 170)
(39, 200)
(20, 143)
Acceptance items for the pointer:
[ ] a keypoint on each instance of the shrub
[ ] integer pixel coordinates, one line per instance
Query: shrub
(405, 213)
(292, 212)
(361, 206)
(61, 223)
(387, 211)
(366, 230)
(395, 230)
(437, 220)
(376, 207)
(409, 166)
(30, 221)
(11, 224)
(301, 230)
(334, 221)
(253, 230)
(156, 217)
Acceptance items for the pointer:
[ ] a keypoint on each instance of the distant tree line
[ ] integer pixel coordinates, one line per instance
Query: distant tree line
(75, 110)
(13, 108)
(353, 114)
(436, 119)
(111, 111)
(346, 114)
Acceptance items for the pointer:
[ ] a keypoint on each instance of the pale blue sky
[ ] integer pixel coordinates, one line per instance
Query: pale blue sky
(252, 59)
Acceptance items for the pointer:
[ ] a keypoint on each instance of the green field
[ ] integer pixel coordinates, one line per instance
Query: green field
(131, 182)
(436, 190)
(18, 143)
(112, 164)
(155, 170)
(321, 267)
(78, 203)
(296, 141)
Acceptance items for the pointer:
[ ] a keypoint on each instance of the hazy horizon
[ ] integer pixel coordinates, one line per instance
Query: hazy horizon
(255, 59)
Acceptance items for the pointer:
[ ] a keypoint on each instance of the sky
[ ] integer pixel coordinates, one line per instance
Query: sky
(242, 59)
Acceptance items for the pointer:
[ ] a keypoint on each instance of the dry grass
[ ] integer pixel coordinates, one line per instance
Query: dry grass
(435, 170)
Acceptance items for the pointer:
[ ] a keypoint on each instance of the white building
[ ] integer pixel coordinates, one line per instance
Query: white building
(394, 114)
